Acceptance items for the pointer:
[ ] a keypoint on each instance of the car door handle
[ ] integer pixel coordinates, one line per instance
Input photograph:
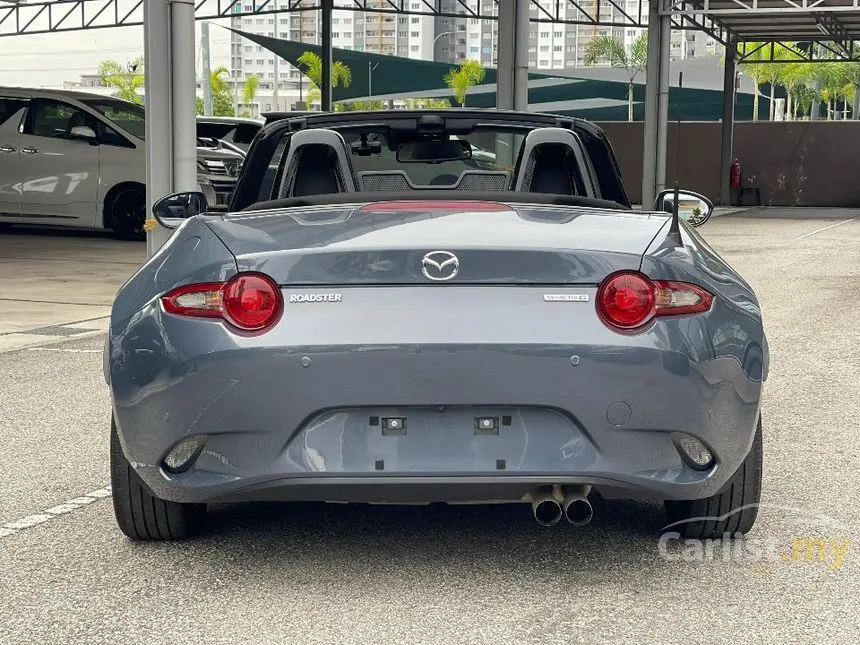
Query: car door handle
(29, 151)
(8, 149)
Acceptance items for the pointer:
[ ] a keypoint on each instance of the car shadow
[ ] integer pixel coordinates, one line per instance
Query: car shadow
(307, 537)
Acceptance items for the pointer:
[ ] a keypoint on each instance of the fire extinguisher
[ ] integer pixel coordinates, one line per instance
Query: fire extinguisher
(735, 174)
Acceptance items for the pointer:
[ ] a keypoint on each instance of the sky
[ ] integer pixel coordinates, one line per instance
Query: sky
(47, 60)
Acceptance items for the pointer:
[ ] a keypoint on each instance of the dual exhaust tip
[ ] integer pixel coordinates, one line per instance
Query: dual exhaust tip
(549, 506)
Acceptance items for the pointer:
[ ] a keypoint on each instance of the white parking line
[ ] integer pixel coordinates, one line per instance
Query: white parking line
(827, 227)
(11, 528)
(68, 351)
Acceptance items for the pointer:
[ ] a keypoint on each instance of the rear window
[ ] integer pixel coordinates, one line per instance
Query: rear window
(491, 150)
(245, 133)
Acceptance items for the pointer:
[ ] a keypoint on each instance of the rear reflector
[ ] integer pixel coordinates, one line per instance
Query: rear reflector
(434, 205)
(248, 301)
(628, 299)
(183, 454)
(693, 451)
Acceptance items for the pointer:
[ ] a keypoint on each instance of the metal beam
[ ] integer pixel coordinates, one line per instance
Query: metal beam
(757, 20)
(772, 52)
(46, 16)
(725, 8)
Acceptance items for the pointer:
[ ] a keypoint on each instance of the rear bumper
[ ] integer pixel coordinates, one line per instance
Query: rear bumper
(305, 423)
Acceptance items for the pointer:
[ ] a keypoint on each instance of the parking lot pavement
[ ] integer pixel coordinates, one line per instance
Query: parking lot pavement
(278, 573)
(59, 284)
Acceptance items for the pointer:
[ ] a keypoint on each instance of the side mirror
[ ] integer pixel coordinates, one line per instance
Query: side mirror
(172, 210)
(83, 132)
(693, 208)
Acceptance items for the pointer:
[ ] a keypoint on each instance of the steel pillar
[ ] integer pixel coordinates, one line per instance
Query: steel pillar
(159, 127)
(521, 56)
(663, 104)
(207, 68)
(506, 55)
(325, 43)
(171, 106)
(652, 82)
(728, 123)
(184, 96)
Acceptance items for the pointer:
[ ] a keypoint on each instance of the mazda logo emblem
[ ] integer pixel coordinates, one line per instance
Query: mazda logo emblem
(440, 265)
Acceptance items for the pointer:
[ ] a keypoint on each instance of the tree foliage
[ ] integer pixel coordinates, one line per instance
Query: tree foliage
(222, 94)
(419, 104)
(608, 49)
(310, 64)
(805, 83)
(249, 92)
(461, 78)
(126, 80)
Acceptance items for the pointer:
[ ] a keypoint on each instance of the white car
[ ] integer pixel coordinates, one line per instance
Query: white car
(79, 159)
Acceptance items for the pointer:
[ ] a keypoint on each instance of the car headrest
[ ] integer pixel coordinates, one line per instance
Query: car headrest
(317, 163)
(548, 162)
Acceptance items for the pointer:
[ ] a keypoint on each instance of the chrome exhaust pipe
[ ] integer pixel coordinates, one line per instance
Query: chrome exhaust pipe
(576, 507)
(546, 509)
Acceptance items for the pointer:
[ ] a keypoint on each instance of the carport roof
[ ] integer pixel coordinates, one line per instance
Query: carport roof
(780, 20)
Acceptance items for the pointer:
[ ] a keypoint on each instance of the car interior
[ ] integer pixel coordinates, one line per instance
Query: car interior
(318, 166)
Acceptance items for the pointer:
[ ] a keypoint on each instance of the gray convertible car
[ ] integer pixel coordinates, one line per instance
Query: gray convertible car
(384, 317)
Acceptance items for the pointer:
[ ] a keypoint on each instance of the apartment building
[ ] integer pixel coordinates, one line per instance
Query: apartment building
(443, 39)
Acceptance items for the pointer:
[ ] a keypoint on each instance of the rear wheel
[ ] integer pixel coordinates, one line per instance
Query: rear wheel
(733, 510)
(140, 514)
(128, 214)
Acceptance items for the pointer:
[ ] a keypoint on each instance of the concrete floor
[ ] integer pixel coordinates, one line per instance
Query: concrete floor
(59, 284)
(277, 573)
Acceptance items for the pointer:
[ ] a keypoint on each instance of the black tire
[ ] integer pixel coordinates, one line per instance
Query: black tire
(127, 214)
(742, 492)
(140, 514)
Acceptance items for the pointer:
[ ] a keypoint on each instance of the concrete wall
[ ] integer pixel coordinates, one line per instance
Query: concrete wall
(794, 163)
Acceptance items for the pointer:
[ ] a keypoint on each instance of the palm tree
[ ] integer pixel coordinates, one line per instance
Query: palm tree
(832, 78)
(125, 79)
(852, 73)
(310, 64)
(754, 69)
(610, 49)
(249, 92)
(461, 78)
(795, 78)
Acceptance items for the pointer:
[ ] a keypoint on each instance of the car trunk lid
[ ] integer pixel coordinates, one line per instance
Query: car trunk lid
(453, 242)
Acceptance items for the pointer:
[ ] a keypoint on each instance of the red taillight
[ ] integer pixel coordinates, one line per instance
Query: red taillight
(628, 300)
(248, 301)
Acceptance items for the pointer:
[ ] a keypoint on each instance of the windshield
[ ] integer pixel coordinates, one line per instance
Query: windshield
(491, 149)
(128, 116)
